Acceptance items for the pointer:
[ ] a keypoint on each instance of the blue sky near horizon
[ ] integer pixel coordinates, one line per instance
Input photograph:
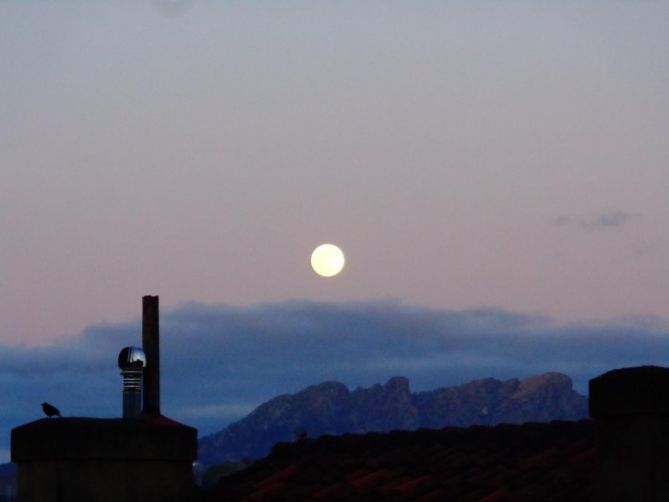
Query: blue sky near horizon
(498, 168)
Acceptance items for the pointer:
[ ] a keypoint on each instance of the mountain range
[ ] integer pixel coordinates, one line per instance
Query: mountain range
(331, 408)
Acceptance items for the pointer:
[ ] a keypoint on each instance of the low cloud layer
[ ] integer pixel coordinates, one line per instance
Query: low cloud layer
(218, 362)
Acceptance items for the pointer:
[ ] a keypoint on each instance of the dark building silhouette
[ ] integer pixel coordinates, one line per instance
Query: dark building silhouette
(144, 458)
(631, 411)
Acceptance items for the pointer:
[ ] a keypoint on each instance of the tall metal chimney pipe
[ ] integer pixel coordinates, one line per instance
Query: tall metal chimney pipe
(151, 346)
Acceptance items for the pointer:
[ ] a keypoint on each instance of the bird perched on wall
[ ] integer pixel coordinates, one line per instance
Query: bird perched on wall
(50, 410)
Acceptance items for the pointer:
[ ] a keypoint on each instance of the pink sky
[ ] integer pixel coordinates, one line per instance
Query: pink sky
(461, 153)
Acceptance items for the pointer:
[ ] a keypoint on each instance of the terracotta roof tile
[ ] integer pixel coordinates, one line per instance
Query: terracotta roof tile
(512, 462)
(413, 485)
(335, 491)
(438, 494)
(371, 479)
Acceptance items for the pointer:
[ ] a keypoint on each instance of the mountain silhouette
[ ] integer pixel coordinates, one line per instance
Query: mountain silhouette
(331, 408)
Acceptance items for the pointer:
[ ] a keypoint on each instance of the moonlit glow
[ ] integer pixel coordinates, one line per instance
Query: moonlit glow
(327, 260)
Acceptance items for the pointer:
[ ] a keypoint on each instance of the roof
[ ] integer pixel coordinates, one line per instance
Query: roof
(82, 438)
(536, 461)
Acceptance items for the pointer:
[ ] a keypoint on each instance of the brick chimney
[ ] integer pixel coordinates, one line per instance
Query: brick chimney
(631, 411)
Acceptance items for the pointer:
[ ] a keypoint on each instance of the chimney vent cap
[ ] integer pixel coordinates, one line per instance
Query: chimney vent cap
(131, 358)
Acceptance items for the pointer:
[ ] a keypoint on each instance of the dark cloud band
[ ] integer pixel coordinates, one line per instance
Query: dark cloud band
(219, 361)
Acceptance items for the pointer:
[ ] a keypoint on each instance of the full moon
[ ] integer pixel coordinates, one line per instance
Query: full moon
(327, 260)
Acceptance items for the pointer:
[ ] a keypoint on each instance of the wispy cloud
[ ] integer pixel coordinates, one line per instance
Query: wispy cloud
(218, 361)
(173, 8)
(610, 220)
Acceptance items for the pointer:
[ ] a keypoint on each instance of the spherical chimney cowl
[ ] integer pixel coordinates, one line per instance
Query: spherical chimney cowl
(131, 358)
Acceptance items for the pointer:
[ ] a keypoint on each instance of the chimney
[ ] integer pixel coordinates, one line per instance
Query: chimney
(76, 459)
(631, 411)
(151, 345)
(132, 361)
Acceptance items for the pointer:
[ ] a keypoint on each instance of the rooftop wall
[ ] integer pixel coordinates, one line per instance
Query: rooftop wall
(88, 459)
(631, 409)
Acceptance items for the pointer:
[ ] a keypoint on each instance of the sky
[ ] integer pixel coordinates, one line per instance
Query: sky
(498, 161)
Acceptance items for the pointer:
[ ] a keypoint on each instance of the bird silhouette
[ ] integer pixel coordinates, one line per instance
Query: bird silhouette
(50, 410)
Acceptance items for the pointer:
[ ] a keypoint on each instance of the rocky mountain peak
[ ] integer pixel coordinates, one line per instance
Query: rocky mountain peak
(557, 381)
(398, 384)
(330, 408)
